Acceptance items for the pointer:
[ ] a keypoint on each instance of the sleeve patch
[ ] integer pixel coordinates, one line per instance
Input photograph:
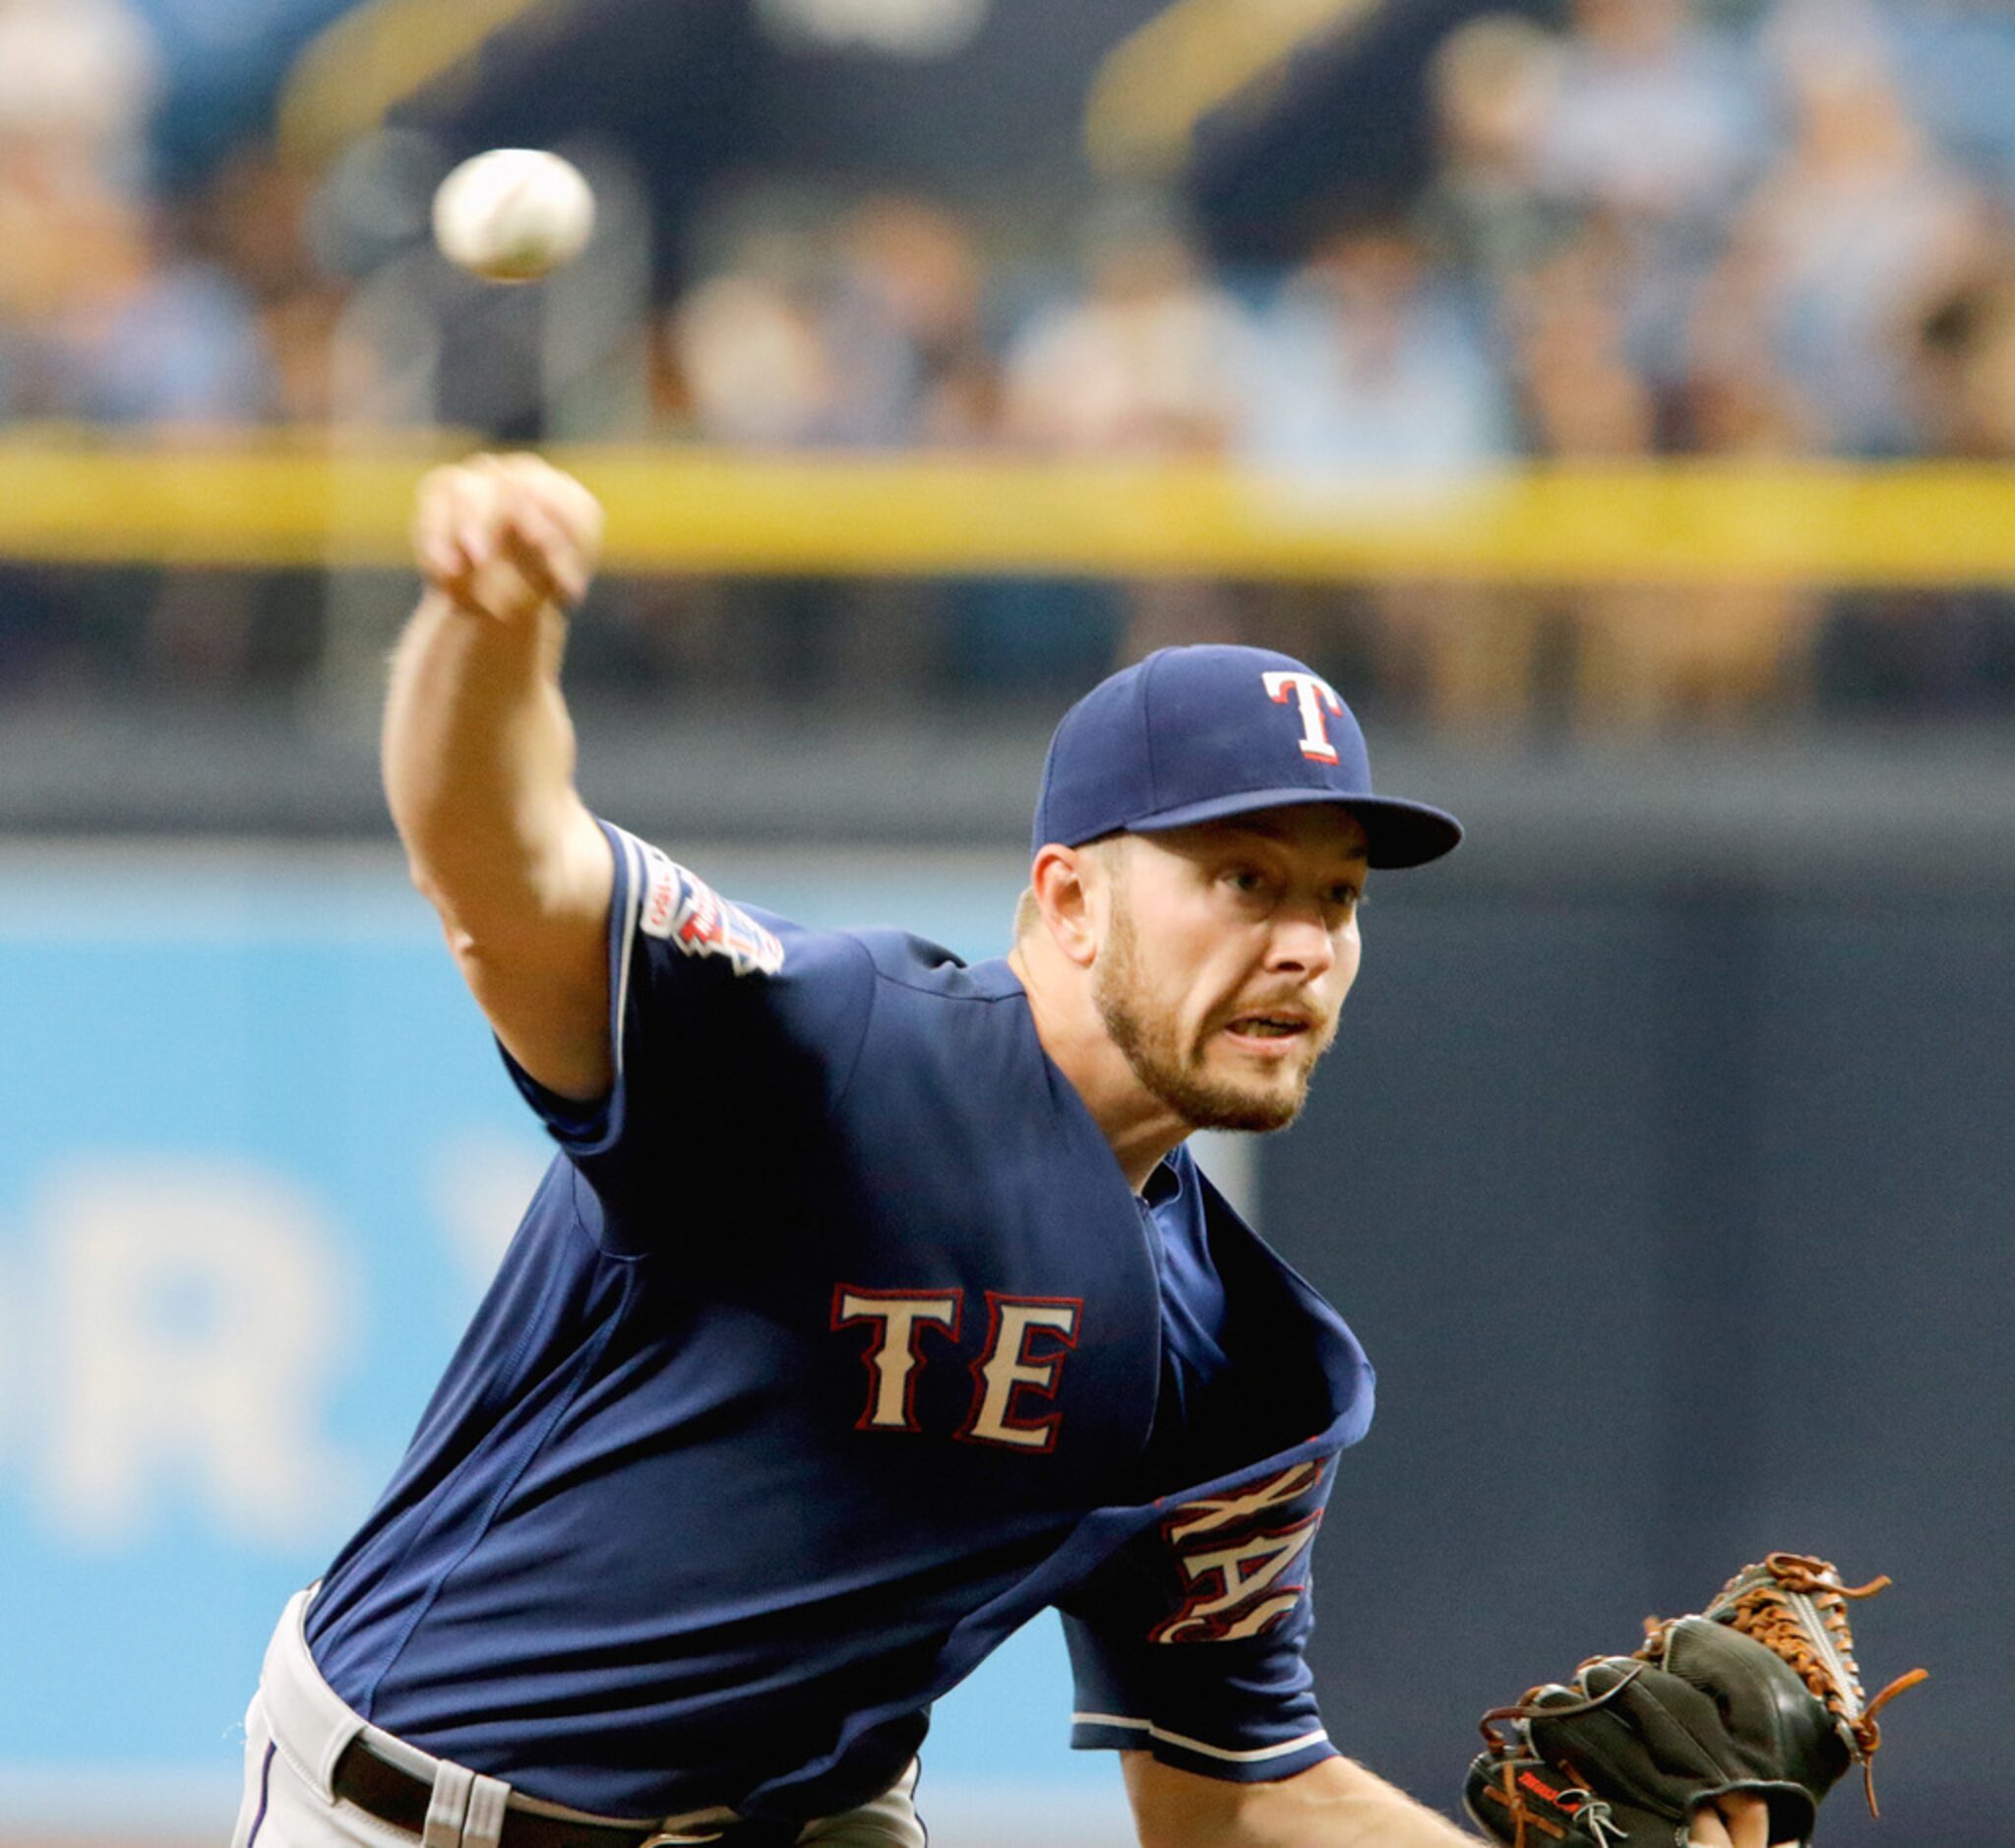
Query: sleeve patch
(683, 911)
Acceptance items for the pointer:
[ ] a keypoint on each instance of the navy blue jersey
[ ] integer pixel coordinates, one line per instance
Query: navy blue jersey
(834, 1346)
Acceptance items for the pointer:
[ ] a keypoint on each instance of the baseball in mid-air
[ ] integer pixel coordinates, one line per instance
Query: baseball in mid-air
(513, 214)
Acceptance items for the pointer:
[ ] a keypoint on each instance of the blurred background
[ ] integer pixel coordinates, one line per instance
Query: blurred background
(1616, 398)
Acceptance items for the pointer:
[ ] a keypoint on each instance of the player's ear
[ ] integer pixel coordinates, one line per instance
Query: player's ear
(1061, 881)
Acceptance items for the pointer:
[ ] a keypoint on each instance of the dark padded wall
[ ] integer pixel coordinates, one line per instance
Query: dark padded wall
(1676, 1219)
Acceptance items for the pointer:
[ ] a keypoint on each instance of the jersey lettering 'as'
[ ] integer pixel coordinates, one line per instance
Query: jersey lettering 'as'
(1028, 1338)
(1211, 1514)
(687, 912)
(1244, 1571)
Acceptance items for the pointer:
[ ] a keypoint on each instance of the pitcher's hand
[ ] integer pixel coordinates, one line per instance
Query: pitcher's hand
(506, 536)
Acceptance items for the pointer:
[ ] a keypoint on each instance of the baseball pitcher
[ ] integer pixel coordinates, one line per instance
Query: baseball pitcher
(872, 1302)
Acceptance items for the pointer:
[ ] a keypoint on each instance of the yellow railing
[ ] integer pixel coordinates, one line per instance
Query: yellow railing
(292, 500)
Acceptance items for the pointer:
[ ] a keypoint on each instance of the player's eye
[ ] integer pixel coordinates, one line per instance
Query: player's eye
(1243, 879)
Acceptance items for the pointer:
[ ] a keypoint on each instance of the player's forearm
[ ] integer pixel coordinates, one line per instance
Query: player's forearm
(1336, 1805)
(478, 747)
(478, 761)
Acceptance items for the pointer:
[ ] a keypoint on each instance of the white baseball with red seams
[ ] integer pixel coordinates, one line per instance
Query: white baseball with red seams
(513, 214)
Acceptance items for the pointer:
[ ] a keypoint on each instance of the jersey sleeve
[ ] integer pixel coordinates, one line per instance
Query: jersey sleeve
(729, 1027)
(1191, 1642)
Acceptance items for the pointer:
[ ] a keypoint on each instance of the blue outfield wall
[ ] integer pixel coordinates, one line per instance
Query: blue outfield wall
(259, 1160)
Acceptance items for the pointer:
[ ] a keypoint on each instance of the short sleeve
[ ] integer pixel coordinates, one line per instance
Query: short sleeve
(729, 1027)
(1191, 1642)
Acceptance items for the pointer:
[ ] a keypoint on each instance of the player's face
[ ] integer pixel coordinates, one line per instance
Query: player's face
(1227, 953)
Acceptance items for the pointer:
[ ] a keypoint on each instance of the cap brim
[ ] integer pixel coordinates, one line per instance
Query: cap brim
(1396, 834)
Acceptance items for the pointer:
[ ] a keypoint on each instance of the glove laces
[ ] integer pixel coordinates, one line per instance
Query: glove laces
(1578, 1799)
(1586, 1808)
(1795, 1606)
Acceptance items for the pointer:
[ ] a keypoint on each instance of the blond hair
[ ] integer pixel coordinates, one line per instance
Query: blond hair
(1027, 913)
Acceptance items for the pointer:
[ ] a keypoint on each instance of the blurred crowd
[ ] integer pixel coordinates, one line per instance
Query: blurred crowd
(1650, 227)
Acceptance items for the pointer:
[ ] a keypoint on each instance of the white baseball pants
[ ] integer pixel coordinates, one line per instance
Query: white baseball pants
(296, 1729)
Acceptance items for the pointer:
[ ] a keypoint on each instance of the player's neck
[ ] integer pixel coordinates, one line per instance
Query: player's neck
(1138, 1126)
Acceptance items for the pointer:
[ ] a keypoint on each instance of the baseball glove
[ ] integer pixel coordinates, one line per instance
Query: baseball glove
(1757, 1695)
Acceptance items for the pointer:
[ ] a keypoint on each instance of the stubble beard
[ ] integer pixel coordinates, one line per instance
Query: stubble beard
(1148, 1040)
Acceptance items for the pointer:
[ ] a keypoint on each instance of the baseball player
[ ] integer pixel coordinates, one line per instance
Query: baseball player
(872, 1302)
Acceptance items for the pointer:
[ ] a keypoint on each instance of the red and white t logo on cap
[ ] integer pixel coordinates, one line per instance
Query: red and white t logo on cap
(1313, 693)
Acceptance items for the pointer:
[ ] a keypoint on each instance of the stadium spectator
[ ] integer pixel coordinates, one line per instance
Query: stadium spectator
(863, 330)
(1955, 59)
(1493, 85)
(1637, 656)
(1369, 362)
(1489, 658)
(1834, 258)
(1149, 358)
(750, 349)
(99, 321)
(1658, 123)
(905, 310)
(1966, 366)
(1370, 366)
(79, 80)
(1941, 654)
(1566, 328)
(99, 324)
(1654, 116)
(250, 221)
(104, 322)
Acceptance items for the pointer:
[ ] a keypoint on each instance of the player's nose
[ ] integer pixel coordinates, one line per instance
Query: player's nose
(1301, 944)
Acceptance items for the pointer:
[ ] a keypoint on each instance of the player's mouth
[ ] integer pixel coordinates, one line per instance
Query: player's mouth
(1271, 1032)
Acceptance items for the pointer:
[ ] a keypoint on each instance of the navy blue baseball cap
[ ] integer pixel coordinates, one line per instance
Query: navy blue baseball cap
(1197, 734)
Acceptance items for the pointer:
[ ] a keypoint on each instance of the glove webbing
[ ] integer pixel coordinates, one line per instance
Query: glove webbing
(1795, 1606)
